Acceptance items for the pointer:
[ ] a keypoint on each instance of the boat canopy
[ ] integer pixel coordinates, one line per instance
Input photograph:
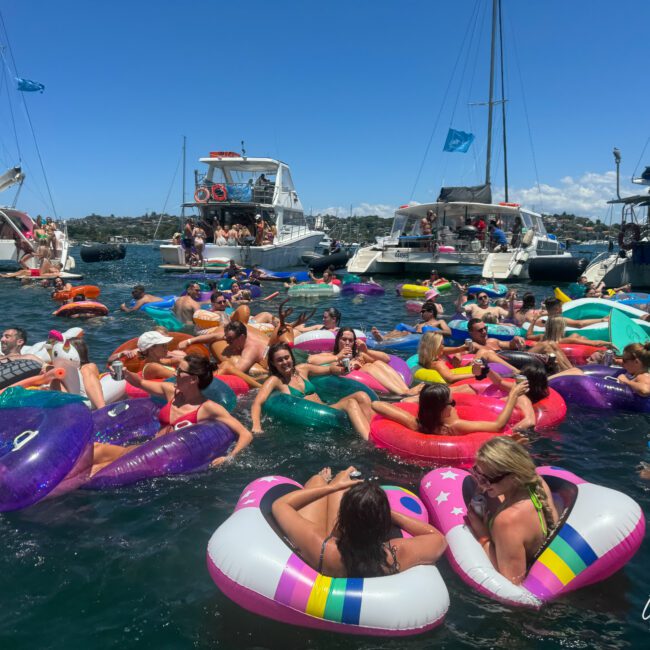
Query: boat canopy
(474, 194)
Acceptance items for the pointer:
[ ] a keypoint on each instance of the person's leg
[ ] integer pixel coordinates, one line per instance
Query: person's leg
(359, 421)
(386, 376)
(365, 403)
(92, 385)
(105, 454)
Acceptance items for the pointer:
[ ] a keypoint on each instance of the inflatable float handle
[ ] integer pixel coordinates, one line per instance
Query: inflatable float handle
(23, 438)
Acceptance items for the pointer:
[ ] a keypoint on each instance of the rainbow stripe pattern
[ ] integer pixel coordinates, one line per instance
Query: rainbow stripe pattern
(332, 599)
(568, 555)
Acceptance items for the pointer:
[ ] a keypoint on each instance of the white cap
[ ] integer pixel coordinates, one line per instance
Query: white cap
(149, 339)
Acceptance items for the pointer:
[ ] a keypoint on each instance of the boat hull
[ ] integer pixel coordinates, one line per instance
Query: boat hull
(278, 256)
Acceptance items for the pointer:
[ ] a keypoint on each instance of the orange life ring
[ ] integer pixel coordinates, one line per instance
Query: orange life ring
(137, 363)
(89, 308)
(219, 192)
(202, 195)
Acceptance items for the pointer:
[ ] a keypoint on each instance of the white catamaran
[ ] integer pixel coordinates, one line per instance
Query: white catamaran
(455, 232)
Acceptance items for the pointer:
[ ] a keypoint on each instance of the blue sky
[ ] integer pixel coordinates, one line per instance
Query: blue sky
(347, 93)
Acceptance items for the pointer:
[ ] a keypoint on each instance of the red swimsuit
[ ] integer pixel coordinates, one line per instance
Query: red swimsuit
(186, 418)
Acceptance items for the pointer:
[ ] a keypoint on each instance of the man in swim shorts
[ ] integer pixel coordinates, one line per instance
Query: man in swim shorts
(141, 298)
(477, 331)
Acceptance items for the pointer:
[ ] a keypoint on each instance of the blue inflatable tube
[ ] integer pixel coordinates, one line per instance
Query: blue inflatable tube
(301, 276)
(167, 302)
(41, 445)
(406, 342)
(164, 317)
(499, 292)
(496, 331)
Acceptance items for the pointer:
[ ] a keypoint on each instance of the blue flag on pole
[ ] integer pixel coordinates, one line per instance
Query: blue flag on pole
(29, 86)
(458, 141)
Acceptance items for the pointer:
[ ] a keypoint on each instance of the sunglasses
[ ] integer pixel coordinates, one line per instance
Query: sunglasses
(180, 371)
(479, 476)
(482, 298)
(480, 330)
(220, 302)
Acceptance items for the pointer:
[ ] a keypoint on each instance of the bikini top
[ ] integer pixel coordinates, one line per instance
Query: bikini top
(309, 389)
(393, 568)
(165, 413)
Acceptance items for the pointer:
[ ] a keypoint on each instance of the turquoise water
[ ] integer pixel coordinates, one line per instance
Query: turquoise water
(126, 568)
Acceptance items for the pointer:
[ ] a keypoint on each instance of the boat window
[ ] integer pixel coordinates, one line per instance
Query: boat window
(539, 226)
(293, 218)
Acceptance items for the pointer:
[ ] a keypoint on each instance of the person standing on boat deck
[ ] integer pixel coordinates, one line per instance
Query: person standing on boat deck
(199, 237)
(260, 226)
(517, 228)
(188, 240)
(50, 231)
(479, 224)
(186, 305)
(498, 238)
(24, 250)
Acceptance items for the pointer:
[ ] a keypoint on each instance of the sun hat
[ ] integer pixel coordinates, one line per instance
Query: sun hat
(149, 339)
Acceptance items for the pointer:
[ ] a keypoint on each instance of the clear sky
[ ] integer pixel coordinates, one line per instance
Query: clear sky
(348, 92)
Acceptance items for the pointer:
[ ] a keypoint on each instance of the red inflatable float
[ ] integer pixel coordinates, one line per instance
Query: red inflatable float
(549, 412)
(577, 353)
(424, 449)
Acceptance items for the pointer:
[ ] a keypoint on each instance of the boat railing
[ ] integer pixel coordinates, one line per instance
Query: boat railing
(215, 192)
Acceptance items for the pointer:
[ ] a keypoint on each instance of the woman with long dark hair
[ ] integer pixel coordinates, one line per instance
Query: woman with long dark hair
(342, 527)
(437, 413)
(291, 379)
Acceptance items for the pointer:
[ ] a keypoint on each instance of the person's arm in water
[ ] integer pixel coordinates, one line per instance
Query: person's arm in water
(244, 436)
(271, 384)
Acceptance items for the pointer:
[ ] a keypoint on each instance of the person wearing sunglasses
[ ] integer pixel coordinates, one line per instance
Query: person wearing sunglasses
(343, 525)
(519, 512)
(478, 332)
(437, 413)
(428, 318)
(483, 307)
(186, 405)
(291, 379)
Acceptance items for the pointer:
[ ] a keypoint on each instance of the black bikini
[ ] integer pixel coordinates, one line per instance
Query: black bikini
(394, 567)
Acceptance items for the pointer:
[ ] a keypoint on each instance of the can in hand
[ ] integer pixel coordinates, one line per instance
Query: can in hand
(520, 379)
(608, 358)
(469, 344)
(345, 362)
(117, 370)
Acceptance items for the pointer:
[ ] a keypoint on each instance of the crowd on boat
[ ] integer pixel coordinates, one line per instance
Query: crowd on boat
(474, 390)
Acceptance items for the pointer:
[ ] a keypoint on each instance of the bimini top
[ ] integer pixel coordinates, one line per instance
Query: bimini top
(237, 163)
(461, 209)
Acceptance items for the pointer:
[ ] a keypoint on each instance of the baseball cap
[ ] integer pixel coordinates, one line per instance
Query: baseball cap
(149, 339)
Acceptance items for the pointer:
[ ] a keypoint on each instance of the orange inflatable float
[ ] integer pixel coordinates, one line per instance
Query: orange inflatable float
(88, 291)
(137, 363)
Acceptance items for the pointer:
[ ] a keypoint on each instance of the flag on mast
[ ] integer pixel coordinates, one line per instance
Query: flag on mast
(28, 86)
(458, 141)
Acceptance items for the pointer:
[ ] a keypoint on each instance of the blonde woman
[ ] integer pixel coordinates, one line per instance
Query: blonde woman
(554, 334)
(519, 513)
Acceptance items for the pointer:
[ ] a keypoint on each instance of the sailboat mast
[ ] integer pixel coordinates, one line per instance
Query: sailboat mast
(488, 160)
(503, 109)
(183, 203)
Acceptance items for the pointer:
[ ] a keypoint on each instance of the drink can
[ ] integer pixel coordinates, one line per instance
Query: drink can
(470, 344)
(608, 358)
(117, 370)
(346, 364)
(520, 378)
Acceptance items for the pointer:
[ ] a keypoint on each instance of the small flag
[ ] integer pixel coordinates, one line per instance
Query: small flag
(29, 86)
(458, 141)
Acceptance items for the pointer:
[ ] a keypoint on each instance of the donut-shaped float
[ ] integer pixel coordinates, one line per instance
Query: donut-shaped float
(186, 449)
(320, 340)
(165, 302)
(137, 363)
(577, 353)
(45, 446)
(426, 449)
(494, 292)
(600, 530)
(82, 309)
(255, 568)
(399, 365)
(501, 331)
(549, 412)
(88, 291)
(366, 288)
(599, 392)
(434, 377)
(321, 290)
(314, 415)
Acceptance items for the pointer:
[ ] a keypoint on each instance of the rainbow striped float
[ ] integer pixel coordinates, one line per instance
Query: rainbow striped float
(255, 567)
(600, 530)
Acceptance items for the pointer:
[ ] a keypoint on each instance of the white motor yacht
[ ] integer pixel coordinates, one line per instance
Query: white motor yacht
(239, 190)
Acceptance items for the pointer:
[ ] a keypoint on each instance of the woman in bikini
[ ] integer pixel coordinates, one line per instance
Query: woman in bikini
(291, 379)
(342, 528)
(437, 413)
(185, 405)
(519, 513)
(152, 349)
(373, 362)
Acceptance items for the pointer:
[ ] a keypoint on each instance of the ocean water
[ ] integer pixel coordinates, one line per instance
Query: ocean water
(126, 568)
